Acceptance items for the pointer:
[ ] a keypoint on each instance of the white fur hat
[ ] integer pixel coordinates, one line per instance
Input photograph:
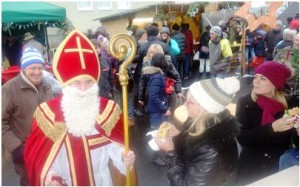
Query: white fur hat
(215, 94)
(104, 43)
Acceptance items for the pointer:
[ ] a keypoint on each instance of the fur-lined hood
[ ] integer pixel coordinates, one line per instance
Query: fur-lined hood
(152, 70)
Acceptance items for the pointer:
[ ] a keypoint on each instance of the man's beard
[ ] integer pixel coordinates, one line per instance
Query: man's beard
(80, 109)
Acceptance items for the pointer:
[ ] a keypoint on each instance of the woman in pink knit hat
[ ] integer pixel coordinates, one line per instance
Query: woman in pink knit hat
(265, 131)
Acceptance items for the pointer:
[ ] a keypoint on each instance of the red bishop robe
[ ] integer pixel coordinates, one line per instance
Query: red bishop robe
(49, 133)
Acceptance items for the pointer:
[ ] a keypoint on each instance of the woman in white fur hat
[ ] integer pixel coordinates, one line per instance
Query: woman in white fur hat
(205, 151)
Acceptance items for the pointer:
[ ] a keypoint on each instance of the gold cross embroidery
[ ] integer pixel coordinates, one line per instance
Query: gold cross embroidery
(81, 51)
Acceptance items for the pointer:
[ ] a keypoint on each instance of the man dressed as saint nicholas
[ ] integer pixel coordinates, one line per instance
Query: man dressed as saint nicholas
(77, 138)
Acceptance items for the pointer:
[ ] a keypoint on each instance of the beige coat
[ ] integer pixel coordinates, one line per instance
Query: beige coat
(19, 101)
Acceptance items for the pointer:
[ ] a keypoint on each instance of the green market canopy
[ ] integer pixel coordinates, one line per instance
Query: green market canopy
(20, 12)
(32, 16)
(18, 17)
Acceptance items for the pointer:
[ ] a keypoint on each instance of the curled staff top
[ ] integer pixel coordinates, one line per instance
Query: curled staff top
(121, 51)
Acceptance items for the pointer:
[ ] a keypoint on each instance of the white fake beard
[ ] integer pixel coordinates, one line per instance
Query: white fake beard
(80, 109)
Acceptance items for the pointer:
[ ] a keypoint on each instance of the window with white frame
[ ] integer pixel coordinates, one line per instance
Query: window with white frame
(104, 5)
(123, 5)
(84, 5)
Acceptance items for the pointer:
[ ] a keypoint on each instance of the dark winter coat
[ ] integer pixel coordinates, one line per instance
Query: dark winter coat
(249, 38)
(106, 82)
(171, 73)
(259, 48)
(180, 39)
(272, 38)
(13, 52)
(136, 60)
(142, 52)
(157, 100)
(113, 61)
(189, 41)
(208, 159)
(261, 146)
(205, 37)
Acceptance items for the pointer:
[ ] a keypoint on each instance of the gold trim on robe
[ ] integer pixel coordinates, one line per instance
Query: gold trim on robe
(111, 114)
(56, 131)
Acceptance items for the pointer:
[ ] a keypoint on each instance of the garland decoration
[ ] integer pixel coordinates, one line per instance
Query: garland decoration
(7, 27)
(64, 25)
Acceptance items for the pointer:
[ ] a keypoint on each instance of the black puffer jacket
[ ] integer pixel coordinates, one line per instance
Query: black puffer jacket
(206, 160)
(171, 73)
(271, 39)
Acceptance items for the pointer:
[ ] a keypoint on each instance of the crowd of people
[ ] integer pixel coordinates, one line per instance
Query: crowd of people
(75, 137)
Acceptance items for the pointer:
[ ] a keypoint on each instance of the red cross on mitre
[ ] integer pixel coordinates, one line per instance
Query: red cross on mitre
(76, 58)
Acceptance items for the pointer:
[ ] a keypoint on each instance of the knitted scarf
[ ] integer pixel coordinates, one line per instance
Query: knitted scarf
(270, 108)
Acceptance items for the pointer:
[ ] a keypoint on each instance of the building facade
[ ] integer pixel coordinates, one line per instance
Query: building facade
(85, 15)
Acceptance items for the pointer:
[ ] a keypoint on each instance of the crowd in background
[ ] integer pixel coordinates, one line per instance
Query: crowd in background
(163, 61)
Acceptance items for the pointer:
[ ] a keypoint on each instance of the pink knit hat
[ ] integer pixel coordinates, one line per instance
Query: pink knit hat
(276, 73)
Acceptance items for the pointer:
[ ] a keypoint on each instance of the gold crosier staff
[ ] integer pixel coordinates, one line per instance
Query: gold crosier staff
(120, 52)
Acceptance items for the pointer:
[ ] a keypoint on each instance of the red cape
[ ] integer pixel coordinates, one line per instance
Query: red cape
(49, 133)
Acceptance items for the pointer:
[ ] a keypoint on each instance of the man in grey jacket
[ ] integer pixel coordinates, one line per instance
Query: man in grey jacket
(220, 53)
(20, 97)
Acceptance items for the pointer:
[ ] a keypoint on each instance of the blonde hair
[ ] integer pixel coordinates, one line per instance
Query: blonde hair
(155, 48)
(276, 94)
(200, 123)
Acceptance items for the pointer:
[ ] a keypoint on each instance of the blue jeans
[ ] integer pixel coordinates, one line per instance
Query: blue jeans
(186, 65)
(180, 59)
(252, 54)
(156, 119)
(289, 158)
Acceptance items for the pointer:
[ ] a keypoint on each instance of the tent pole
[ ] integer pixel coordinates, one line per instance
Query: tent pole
(47, 43)
(243, 65)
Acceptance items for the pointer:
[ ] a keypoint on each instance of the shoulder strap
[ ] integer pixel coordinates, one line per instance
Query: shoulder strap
(276, 47)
